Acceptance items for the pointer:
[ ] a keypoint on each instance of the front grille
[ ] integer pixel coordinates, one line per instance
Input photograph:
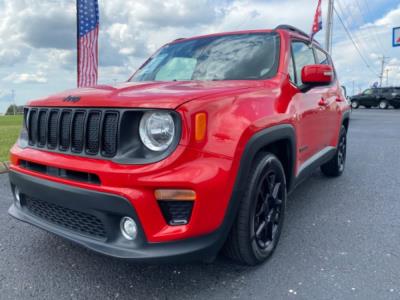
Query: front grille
(176, 212)
(68, 218)
(92, 132)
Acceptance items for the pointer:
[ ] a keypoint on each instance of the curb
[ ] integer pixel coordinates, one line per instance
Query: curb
(3, 167)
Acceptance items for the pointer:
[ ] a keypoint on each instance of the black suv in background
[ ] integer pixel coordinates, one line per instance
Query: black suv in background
(381, 97)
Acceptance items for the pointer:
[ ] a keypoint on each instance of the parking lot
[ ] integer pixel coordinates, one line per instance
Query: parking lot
(341, 241)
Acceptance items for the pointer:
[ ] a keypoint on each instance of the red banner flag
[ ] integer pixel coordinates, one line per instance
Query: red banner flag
(317, 24)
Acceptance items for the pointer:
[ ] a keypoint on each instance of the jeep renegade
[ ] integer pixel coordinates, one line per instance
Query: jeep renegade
(195, 153)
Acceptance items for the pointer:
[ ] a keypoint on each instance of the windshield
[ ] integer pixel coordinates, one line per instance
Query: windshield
(229, 57)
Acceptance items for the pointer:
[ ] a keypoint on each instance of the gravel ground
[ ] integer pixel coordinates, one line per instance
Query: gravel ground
(340, 241)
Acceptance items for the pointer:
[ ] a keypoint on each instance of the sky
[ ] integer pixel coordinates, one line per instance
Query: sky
(38, 37)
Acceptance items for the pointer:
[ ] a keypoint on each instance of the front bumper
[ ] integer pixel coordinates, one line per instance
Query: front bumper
(109, 209)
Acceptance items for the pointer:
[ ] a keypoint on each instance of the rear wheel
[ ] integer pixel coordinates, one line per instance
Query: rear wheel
(335, 167)
(383, 104)
(355, 104)
(258, 225)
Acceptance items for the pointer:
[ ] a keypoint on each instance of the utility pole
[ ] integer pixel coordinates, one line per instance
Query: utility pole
(384, 58)
(329, 28)
(387, 77)
(354, 88)
(13, 101)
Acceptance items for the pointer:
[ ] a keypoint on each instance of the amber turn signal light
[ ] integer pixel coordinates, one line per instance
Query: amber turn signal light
(200, 126)
(175, 195)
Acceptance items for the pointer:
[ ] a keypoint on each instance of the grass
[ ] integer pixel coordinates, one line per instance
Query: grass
(10, 127)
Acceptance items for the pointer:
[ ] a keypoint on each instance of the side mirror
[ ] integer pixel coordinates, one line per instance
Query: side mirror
(317, 75)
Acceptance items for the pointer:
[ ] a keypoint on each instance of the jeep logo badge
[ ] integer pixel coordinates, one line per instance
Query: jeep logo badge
(72, 99)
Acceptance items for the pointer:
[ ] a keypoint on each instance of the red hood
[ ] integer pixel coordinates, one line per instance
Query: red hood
(167, 95)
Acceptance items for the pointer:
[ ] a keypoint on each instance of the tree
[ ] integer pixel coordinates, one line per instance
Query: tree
(18, 109)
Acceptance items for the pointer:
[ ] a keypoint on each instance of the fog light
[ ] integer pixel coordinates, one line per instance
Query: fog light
(128, 228)
(17, 195)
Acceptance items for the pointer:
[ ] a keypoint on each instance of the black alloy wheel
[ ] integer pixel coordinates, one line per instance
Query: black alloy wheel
(335, 167)
(342, 151)
(258, 225)
(267, 214)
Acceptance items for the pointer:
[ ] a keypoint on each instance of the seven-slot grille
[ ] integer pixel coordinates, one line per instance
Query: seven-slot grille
(92, 132)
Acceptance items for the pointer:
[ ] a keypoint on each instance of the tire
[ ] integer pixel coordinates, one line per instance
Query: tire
(355, 104)
(258, 224)
(335, 167)
(383, 104)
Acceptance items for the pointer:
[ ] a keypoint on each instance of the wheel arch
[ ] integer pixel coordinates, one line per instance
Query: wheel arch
(346, 120)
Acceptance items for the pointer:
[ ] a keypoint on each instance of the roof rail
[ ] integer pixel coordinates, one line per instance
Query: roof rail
(293, 29)
(179, 39)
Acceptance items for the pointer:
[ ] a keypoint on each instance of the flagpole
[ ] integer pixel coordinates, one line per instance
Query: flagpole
(329, 28)
(77, 43)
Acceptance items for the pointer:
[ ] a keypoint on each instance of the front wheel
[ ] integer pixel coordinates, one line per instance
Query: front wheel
(383, 104)
(335, 167)
(355, 104)
(258, 224)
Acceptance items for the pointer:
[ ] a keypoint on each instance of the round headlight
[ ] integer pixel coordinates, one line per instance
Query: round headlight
(157, 130)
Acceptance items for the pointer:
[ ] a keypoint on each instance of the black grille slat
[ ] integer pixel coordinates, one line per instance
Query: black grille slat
(109, 134)
(78, 221)
(52, 129)
(93, 133)
(65, 130)
(42, 124)
(89, 132)
(32, 127)
(78, 126)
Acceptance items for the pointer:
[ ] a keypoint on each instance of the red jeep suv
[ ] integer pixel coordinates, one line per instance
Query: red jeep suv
(197, 152)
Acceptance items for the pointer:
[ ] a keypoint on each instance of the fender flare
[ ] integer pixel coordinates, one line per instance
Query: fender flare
(259, 140)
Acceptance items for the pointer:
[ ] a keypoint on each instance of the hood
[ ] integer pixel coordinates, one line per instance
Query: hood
(165, 95)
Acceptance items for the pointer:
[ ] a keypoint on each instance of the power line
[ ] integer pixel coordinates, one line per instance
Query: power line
(379, 38)
(372, 28)
(356, 34)
(354, 43)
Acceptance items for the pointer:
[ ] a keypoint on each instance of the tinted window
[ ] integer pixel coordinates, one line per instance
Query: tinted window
(322, 58)
(229, 57)
(303, 56)
(368, 92)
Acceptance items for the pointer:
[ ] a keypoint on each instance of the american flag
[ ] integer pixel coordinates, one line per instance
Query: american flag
(317, 24)
(88, 33)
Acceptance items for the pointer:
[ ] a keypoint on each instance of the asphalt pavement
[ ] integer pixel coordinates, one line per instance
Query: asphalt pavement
(341, 240)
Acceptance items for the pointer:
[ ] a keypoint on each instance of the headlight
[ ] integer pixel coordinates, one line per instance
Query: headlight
(157, 130)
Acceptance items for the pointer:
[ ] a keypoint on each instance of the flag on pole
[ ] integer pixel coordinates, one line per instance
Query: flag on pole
(317, 24)
(88, 33)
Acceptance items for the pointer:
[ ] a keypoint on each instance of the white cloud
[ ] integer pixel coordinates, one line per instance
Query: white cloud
(19, 78)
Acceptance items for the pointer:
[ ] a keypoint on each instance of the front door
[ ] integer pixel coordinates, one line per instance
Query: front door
(310, 113)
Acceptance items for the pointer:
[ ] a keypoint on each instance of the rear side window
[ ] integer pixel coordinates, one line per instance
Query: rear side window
(303, 56)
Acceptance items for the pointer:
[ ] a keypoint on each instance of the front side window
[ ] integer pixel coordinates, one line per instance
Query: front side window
(322, 58)
(303, 56)
(229, 57)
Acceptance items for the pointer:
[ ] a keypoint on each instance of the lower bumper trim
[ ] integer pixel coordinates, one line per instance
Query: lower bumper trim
(109, 209)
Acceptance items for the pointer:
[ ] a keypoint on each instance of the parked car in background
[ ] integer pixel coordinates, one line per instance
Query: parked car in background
(377, 97)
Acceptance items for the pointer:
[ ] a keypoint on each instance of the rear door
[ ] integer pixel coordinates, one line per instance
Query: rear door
(309, 116)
